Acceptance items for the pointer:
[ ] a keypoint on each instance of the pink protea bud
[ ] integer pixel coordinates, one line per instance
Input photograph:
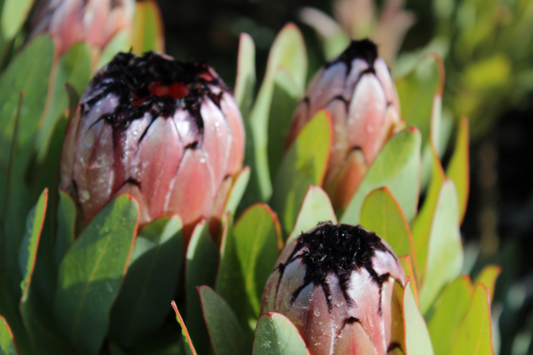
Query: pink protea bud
(357, 90)
(167, 132)
(91, 21)
(335, 283)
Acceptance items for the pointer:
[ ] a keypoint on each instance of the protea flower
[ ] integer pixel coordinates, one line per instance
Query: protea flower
(91, 21)
(357, 90)
(167, 132)
(335, 283)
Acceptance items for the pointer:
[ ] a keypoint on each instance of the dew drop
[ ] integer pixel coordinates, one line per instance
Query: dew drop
(84, 195)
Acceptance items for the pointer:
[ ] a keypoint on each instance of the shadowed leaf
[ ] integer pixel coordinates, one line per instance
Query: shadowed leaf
(200, 269)
(248, 253)
(153, 275)
(91, 273)
(227, 337)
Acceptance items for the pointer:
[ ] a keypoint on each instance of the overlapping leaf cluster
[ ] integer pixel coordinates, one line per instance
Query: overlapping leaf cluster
(107, 289)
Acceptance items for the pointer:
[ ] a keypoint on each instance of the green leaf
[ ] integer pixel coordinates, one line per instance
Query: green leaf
(15, 207)
(91, 273)
(304, 165)
(417, 340)
(459, 168)
(237, 191)
(153, 276)
(66, 224)
(449, 312)
(188, 346)
(147, 30)
(285, 97)
(74, 67)
(7, 344)
(276, 335)
(488, 277)
(30, 242)
(25, 75)
(316, 208)
(382, 214)
(245, 81)
(248, 254)
(423, 221)
(397, 167)
(288, 51)
(475, 332)
(14, 14)
(417, 92)
(119, 43)
(200, 269)
(227, 336)
(445, 250)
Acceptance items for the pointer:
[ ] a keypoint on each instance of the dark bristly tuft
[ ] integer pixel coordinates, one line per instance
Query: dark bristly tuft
(133, 78)
(364, 49)
(339, 249)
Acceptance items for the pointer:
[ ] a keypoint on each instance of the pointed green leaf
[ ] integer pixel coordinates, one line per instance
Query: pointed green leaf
(316, 208)
(474, 336)
(188, 346)
(25, 75)
(276, 335)
(119, 43)
(459, 168)
(417, 91)
(382, 214)
(287, 51)
(74, 67)
(449, 312)
(248, 254)
(285, 97)
(445, 249)
(14, 14)
(30, 242)
(227, 336)
(417, 340)
(245, 81)
(423, 221)
(153, 275)
(488, 277)
(304, 165)
(237, 191)
(91, 273)
(7, 344)
(200, 269)
(66, 220)
(147, 30)
(397, 167)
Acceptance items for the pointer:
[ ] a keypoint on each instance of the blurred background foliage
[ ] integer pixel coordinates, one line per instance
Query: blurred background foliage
(487, 49)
